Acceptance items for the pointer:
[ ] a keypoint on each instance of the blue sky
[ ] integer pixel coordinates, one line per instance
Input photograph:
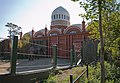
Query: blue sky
(34, 13)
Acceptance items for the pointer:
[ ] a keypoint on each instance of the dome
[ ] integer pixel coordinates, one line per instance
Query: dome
(60, 13)
(60, 10)
(60, 16)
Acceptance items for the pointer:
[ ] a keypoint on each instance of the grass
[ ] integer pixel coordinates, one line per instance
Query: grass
(63, 76)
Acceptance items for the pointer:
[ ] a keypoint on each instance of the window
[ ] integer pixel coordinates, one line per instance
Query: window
(53, 34)
(54, 16)
(59, 16)
(73, 32)
(62, 16)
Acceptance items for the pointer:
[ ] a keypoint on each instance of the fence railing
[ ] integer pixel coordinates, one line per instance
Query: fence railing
(34, 56)
(78, 78)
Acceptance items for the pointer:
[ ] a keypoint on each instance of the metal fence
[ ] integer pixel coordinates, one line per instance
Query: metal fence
(79, 78)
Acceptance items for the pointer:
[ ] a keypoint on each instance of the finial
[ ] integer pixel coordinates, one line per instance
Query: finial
(83, 20)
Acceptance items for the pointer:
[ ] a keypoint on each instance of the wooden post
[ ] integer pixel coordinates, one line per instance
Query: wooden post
(71, 58)
(75, 58)
(87, 70)
(54, 56)
(14, 55)
(71, 78)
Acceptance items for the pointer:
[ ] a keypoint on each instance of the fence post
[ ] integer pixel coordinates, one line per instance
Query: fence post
(71, 78)
(71, 58)
(87, 70)
(54, 56)
(14, 55)
(75, 58)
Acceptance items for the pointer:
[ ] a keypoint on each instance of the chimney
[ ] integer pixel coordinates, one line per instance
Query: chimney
(32, 32)
(45, 30)
(83, 25)
(21, 35)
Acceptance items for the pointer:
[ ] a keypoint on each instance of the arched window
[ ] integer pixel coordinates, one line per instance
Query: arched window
(73, 32)
(57, 16)
(54, 16)
(53, 34)
(62, 16)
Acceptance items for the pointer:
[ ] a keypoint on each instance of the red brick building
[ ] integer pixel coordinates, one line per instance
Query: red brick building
(61, 33)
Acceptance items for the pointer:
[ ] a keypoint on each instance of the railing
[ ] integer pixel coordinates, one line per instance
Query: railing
(78, 78)
(31, 68)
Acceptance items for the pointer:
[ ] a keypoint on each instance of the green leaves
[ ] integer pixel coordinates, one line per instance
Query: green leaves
(25, 41)
(110, 23)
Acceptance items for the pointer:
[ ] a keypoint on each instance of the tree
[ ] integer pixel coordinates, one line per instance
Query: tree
(13, 29)
(111, 31)
(100, 12)
(24, 44)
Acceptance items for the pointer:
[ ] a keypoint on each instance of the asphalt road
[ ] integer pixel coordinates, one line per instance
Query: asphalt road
(24, 65)
(37, 64)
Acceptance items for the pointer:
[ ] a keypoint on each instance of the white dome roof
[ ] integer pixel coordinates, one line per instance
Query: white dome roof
(60, 10)
(60, 13)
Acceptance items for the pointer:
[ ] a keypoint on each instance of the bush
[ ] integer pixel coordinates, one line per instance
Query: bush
(112, 74)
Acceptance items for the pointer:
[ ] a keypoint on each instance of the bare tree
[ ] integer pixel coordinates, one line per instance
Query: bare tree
(13, 29)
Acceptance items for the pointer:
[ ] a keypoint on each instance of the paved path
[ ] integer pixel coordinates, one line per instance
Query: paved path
(42, 63)
(4, 67)
(37, 64)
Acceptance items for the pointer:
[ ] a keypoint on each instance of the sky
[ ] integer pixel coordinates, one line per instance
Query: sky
(34, 13)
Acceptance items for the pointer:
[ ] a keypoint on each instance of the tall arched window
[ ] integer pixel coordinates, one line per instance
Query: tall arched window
(62, 16)
(54, 16)
(57, 16)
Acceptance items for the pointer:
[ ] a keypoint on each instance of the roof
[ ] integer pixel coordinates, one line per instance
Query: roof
(60, 10)
(78, 25)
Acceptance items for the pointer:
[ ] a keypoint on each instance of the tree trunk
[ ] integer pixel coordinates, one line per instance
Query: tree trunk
(102, 45)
